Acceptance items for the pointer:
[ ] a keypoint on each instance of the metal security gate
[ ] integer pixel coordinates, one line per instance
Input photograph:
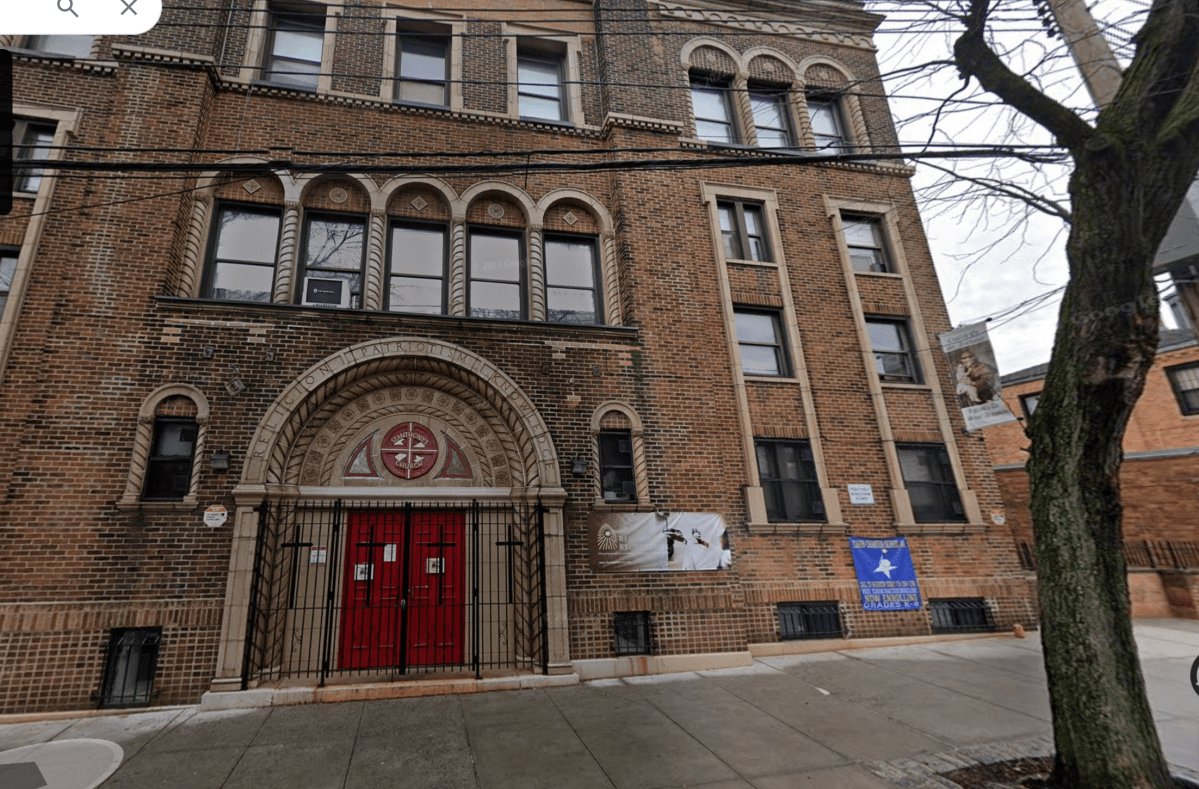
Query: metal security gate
(383, 591)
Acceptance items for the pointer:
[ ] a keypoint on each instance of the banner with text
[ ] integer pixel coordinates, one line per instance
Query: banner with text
(975, 376)
(886, 577)
(624, 542)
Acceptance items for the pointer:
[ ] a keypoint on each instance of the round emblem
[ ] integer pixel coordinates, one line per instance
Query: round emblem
(409, 450)
(338, 195)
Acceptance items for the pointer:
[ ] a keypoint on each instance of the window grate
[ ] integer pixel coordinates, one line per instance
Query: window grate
(129, 667)
(961, 615)
(810, 620)
(632, 632)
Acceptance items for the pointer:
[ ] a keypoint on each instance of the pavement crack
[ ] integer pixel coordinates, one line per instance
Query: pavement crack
(579, 737)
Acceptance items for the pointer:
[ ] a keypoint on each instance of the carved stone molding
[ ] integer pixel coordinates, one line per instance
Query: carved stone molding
(743, 22)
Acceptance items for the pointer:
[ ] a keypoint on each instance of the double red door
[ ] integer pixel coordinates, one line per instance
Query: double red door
(403, 602)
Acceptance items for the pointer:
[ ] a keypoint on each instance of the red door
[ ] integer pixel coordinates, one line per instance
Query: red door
(377, 618)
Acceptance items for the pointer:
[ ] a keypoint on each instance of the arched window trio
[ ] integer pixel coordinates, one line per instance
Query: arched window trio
(411, 246)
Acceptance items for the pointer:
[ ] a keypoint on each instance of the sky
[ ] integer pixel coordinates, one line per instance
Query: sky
(991, 258)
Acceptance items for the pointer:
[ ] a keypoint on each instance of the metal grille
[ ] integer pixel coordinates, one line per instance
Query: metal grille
(1162, 554)
(382, 591)
(1027, 560)
(632, 632)
(809, 620)
(129, 667)
(961, 615)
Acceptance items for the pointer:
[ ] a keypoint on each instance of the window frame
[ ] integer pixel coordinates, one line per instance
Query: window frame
(704, 80)
(413, 32)
(621, 496)
(909, 350)
(781, 94)
(214, 237)
(836, 105)
(523, 267)
(13, 254)
(597, 292)
(782, 355)
(884, 252)
(33, 44)
(274, 13)
(945, 464)
(813, 500)
(542, 57)
(22, 128)
(742, 229)
(388, 272)
(1179, 393)
(302, 267)
(155, 458)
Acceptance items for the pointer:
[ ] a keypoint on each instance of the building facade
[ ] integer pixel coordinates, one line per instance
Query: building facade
(382, 342)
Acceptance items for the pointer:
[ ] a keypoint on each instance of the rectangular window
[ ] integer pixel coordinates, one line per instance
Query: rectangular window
(617, 483)
(743, 230)
(130, 663)
(416, 272)
(422, 69)
(1184, 380)
(169, 467)
(242, 264)
(961, 615)
(34, 146)
(828, 128)
(809, 620)
(928, 477)
(1028, 402)
(539, 87)
(334, 252)
(864, 238)
(496, 275)
(570, 280)
(70, 46)
(787, 471)
(770, 117)
(713, 110)
(893, 357)
(760, 337)
(631, 631)
(8, 269)
(295, 46)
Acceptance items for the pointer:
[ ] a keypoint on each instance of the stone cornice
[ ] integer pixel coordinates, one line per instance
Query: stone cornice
(132, 52)
(754, 24)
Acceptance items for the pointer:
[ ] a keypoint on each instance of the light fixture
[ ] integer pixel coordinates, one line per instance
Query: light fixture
(578, 467)
(220, 461)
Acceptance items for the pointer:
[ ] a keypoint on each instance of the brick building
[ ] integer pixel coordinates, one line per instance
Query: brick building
(523, 390)
(1159, 481)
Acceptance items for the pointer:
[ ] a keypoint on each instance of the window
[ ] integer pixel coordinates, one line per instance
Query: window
(928, 477)
(743, 231)
(416, 274)
(539, 87)
(570, 279)
(961, 615)
(242, 264)
(8, 269)
(71, 46)
(893, 357)
(787, 471)
(828, 128)
(761, 343)
(35, 141)
(294, 49)
(1184, 379)
(712, 109)
(334, 251)
(631, 631)
(169, 467)
(422, 63)
(770, 118)
(496, 275)
(1029, 402)
(864, 238)
(130, 663)
(809, 620)
(617, 483)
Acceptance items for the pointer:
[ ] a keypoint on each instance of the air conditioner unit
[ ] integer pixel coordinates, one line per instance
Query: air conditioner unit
(326, 292)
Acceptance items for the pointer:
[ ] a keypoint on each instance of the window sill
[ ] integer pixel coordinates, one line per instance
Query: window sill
(762, 263)
(263, 83)
(898, 385)
(950, 529)
(621, 506)
(811, 529)
(770, 379)
(547, 122)
(184, 505)
(882, 274)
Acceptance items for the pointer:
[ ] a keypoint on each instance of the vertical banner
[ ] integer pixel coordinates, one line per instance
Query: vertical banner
(975, 377)
(623, 542)
(886, 577)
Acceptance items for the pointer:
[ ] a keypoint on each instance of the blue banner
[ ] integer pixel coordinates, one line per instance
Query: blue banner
(886, 576)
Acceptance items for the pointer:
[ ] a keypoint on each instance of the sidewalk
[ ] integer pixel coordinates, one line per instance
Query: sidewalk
(834, 720)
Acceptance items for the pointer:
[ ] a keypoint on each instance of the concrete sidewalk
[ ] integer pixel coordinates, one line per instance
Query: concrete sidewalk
(862, 719)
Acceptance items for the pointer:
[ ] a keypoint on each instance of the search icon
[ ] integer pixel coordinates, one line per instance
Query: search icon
(67, 6)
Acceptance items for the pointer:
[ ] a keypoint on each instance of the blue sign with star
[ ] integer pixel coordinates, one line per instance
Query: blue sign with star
(886, 577)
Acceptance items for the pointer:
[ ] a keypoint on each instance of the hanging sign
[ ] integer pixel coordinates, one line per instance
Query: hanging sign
(975, 377)
(216, 515)
(886, 577)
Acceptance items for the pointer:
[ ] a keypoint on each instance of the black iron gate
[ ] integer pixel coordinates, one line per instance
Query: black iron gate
(385, 590)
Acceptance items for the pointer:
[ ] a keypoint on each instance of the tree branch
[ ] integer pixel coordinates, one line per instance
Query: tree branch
(1014, 191)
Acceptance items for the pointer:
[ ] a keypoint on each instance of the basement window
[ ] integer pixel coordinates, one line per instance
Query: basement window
(631, 629)
(129, 667)
(809, 620)
(961, 615)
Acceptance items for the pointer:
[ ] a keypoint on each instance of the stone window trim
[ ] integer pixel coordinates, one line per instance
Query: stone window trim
(848, 104)
(407, 223)
(944, 482)
(778, 347)
(132, 497)
(1184, 382)
(906, 352)
(545, 44)
(640, 465)
(259, 37)
(886, 219)
(396, 23)
(208, 280)
(303, 269)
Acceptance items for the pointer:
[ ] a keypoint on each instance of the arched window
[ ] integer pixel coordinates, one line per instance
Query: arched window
(170, 438)
(620, 456)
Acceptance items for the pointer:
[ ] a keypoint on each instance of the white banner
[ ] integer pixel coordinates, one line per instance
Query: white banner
(624, 542)
(975, 376)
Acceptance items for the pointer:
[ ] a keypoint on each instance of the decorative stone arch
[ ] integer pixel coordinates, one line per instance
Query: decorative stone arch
(389, 189)
(794, 78)
(195, 243)
(144, 438)
(696, 58)
(481, 189)
(453, 213)
(375, 241)
(685, 55)
(632, 422)
(535, 265)
(851, 105)
(609, 269)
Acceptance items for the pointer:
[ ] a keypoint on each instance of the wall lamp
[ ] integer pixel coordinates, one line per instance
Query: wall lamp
(578, 467)
(220, 461)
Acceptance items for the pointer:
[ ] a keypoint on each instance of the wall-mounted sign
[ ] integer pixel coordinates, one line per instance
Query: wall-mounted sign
(389, 552)
(318, 555)
(860, 494)
(216, 515)
(886, 577)
(638, 541)
(409, 450)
